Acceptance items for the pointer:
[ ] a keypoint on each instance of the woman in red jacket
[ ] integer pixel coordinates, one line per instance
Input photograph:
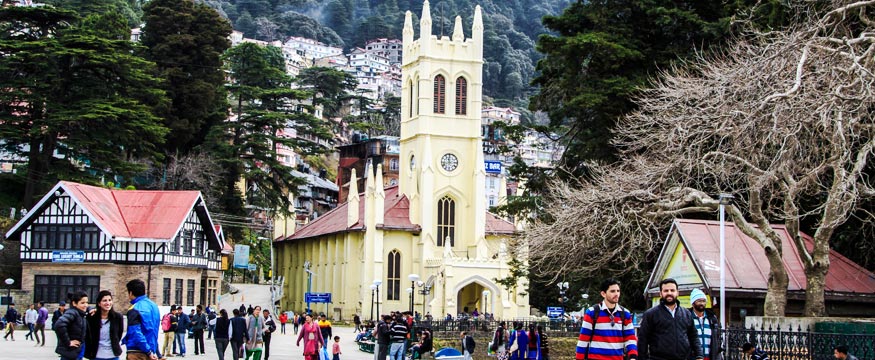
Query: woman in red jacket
(312, 339)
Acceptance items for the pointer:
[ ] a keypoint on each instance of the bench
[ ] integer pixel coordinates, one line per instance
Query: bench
(366, 346)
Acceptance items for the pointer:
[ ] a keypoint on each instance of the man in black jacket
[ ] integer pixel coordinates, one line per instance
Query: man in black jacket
(383, 333)
(238, 334)
(707, 326)
(198, 324)
(667, 331)
(62, 307)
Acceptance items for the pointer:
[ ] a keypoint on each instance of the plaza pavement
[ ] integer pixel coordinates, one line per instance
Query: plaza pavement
(282, 346)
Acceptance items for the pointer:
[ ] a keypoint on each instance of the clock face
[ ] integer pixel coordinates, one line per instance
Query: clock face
(449, 162)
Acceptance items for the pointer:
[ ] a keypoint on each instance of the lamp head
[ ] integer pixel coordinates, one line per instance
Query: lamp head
(378, 282)
(420, 283)
(410, 290)
(413, 277)
(373, 287)
(9, 281)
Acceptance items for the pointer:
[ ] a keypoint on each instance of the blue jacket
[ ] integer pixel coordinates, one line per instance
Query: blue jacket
(522, 340)
(184, 322)
(144, 320)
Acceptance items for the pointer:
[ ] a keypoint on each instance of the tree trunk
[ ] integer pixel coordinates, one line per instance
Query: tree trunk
(814, 290)
(776, 296)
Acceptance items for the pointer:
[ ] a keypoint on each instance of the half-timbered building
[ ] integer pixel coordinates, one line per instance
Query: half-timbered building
(92, 238)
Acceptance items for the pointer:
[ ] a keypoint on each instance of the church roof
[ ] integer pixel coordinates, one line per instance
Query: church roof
(497, 225)
(396, 217)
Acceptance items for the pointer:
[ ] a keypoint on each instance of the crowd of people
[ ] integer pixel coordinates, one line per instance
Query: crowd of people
(666, 332)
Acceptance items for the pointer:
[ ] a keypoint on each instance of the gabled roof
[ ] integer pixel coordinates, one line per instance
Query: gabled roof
(141, 215)
(396, 217)
(746, 263)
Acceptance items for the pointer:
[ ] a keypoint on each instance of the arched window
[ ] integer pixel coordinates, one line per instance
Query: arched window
(446, 221)
(393, 283)
(440, 94)
(461, 96)
(410, 103)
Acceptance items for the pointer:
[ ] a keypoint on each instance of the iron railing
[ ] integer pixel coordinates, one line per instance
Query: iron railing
(789, 343)
(444, 328)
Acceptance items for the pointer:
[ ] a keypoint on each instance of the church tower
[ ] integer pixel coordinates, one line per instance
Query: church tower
(442, 168)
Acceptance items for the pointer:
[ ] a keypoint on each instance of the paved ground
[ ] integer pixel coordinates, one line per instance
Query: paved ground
(282, 345)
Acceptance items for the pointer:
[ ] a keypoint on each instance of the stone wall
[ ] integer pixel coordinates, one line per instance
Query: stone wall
(114, 277)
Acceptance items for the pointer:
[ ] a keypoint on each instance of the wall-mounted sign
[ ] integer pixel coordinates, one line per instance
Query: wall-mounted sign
(493, 167)
(68, 256)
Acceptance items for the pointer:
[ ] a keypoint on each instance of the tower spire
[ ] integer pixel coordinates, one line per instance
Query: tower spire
(407, 33)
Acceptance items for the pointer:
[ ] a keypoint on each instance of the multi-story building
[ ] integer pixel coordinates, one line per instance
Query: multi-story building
(390, 49)
(364, 151)
(81, 237)
(312, 49)
(496, 158)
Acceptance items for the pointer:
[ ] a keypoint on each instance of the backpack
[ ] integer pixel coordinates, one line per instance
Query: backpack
(165, 322)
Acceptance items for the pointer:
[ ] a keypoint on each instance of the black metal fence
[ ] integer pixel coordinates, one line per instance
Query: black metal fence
(798, 344)
(451, 328)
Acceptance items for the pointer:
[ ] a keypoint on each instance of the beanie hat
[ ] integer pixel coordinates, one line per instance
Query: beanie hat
(697, 294)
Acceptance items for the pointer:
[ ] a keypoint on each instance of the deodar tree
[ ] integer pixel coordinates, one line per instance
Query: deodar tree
(783, 120)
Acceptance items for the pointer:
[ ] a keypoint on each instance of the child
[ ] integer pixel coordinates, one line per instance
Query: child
(335, 349)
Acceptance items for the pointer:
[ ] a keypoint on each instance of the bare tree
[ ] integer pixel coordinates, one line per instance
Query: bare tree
(783, 120)
(194, 171)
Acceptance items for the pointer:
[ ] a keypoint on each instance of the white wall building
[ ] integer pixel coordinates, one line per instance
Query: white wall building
(312, 49)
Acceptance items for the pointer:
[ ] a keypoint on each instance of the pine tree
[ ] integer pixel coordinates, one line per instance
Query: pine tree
(70, 89)
(187, 40)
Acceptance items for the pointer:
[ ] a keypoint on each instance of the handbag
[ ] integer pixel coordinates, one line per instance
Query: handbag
(515, 346)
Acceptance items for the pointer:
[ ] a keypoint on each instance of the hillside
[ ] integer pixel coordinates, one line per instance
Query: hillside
(512, 27)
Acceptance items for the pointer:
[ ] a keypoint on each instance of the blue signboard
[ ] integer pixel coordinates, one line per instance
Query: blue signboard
(317, 297)
(493, 167)
(554, 311)
(241, 256)
(68, 256)
(253, 267)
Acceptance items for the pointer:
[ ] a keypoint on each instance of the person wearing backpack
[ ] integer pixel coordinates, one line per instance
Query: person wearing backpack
(168, 326)
(468, 345)
(611, 325)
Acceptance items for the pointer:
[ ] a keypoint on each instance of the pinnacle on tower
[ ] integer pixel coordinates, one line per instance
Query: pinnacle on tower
(458, 34)
(407, 33)
(425, 21)
(477, 26)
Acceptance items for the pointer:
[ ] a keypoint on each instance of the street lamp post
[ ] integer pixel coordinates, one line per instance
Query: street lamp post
(486, 303)
(724, 200)
(426, 290)
(9, 283)
(373, 287)
(413, 279)
(377, 288)
(309, 284)
(563, 287)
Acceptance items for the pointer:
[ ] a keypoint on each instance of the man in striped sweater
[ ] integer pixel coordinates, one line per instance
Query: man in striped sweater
(606, 331)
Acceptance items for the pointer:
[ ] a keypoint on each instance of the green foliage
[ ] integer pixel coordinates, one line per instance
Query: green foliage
(511, 28)
(130, 10)
(187, 40)
(517, 271)
(329, 87)
(70, 88)
(264, 103)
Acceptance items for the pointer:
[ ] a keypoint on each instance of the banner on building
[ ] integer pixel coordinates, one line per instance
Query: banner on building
(241, 256)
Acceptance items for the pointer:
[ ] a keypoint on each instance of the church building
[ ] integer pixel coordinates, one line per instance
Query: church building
(429, 243)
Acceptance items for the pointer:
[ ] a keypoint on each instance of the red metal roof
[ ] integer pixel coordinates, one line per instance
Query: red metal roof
(748, 268)
(139, 214)
(497, 225)
(397, 217)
